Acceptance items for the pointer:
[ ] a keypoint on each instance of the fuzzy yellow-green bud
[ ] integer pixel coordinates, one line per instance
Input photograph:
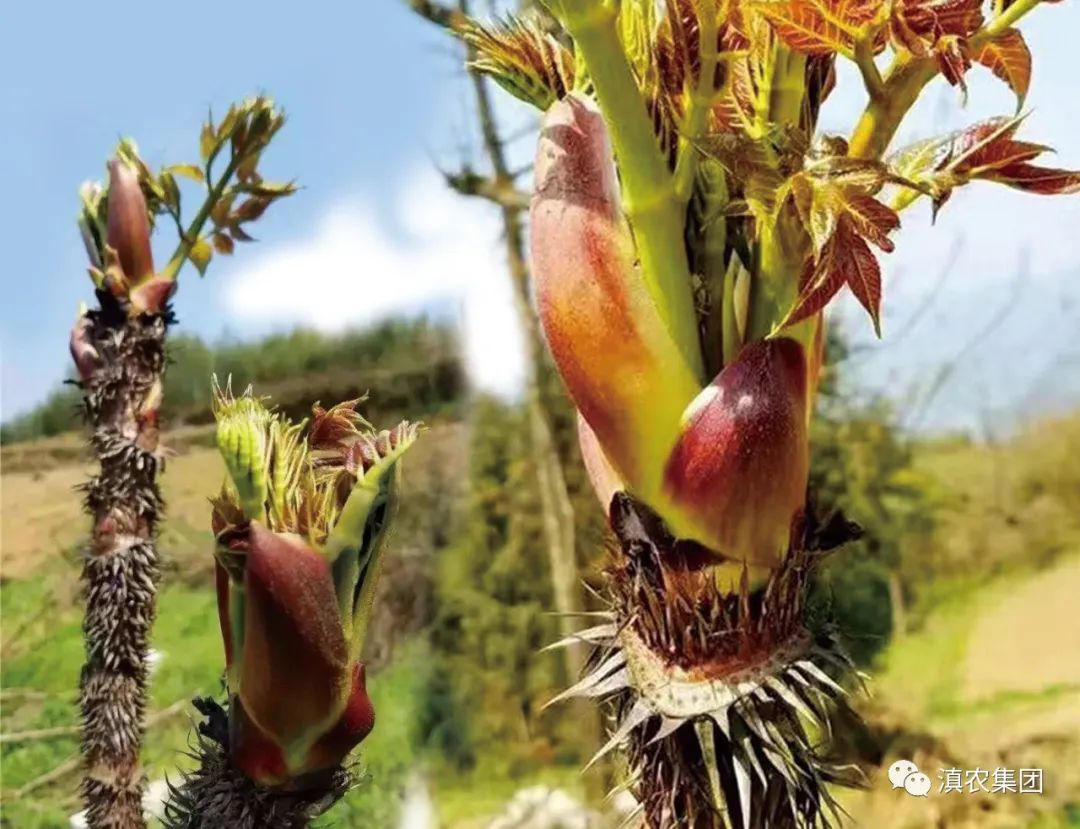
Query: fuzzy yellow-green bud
(242, 430)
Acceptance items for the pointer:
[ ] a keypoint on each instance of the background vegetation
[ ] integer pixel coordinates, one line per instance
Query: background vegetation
(961, 596)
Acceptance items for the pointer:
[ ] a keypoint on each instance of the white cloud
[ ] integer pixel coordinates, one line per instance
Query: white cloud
(364, 263)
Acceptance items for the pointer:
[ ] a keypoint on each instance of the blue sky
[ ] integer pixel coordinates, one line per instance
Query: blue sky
(375, 100)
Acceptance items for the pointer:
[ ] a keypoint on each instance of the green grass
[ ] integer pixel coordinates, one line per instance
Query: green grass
(921, 675)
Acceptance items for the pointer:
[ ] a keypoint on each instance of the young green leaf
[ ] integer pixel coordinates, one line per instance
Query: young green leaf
(188, 171)
(201, 254)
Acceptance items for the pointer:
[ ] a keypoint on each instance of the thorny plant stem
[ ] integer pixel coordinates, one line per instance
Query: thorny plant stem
(120, 569)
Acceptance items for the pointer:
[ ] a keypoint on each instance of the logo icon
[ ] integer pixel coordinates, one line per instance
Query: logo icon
(903, 774)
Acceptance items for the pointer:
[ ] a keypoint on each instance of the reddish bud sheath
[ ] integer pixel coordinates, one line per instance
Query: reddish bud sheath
(128, 230)
(294, 672)
(619, 363)
(736, 480)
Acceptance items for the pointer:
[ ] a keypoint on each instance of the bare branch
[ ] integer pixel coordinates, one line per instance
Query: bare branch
(36, 734)
(448, 17)
(467, 182)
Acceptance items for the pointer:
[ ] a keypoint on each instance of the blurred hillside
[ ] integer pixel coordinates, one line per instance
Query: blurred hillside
(404, 365)
(960, 599)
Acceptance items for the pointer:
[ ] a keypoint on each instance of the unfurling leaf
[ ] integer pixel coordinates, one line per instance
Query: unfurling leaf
(747, 162)
(637, 29)
(200, 255)
(170, 192)
(189, 171)
(986, 150)
(207, 141)
(223, 244)
(916, 25)
(522, 58)
(954, 59)
(1008, 57)
(832, 187)
(271, 189)
(219, 213)
(251, 209)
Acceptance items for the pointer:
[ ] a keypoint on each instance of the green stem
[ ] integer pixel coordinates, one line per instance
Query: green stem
(649, 199)
(903, 83)
(905, 80)
(787, 88)
(774, 288)
(1003, 21)
(697, 114)
(871, 75)
(732, 338)
(191, 235)
(778, 256)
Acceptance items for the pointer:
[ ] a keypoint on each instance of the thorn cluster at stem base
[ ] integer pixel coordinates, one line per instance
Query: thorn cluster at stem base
(217, 794)
(721, 701)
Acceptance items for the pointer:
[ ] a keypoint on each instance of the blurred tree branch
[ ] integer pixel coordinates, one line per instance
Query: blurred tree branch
(467, 182)
(499, 187)
(440, 14)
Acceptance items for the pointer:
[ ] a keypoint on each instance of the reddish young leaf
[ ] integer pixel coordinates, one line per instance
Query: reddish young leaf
(1046, 181)
(954, 59)
(1008, 57)
(846, 259)
(804, 26)
(854, 13)
(932, 19)
(982, 151)
(832, 187)
(873, 221)
(821, 281)
(861, 272)
(735, 107)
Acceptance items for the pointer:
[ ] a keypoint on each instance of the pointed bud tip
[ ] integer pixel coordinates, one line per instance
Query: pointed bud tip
(128, 230)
